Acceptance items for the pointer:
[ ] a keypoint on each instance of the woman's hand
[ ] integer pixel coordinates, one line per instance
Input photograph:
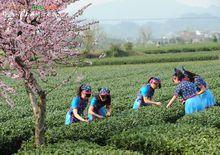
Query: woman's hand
(87, 121)
(158, 103)
(108, 114)
(100, 117)
(169, 105)
(171, 101)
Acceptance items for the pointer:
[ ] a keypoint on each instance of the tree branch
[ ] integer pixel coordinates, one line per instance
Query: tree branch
(61, 83)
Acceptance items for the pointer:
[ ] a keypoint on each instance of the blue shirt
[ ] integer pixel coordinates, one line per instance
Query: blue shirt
(79, 104)
(200, 81)
(145, 91)
(185, 89)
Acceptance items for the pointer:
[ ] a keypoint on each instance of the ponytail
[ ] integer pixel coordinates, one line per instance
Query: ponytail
(189, 74)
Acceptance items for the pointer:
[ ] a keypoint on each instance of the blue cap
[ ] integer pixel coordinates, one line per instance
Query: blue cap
(105, 91)
(86, 88)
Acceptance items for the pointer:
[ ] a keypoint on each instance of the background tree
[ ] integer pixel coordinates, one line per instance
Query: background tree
(89, 41)
(215, 39)
(33, 41)
(94, 38)
(128, 46)
(145, 34)
(101, 39)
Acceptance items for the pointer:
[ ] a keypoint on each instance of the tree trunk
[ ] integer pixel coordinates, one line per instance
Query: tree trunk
(38, 102)
(40, 120)
(33, 101)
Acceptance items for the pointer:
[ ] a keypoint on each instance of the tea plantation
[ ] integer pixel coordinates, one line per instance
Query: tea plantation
(151, 130)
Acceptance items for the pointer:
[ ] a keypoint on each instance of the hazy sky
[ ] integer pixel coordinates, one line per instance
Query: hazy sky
(121, 9)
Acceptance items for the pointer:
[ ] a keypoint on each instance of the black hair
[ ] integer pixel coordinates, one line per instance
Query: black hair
(97, 96)
(79, 89)
(150, 79)
(179, 74)
(159, 86)
(99, 89)
(189, 74)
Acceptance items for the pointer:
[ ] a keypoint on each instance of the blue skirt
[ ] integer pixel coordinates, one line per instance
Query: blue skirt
(101, 111)
(208, 99)
(137, 104)
(194, 104)
(70, 119)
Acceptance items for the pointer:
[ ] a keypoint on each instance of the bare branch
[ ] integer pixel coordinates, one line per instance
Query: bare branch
(61, 83)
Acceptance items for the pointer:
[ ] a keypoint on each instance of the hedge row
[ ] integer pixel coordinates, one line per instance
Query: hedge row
(101, 131)
(155, 58)
(208, 118)
(76, 148)
(13, 133)
(169, 139)
(173, 48)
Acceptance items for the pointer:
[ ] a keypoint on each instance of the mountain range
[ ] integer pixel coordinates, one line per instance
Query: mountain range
(130, 30)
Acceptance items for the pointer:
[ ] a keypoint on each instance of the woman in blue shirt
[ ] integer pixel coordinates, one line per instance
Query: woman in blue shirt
(187, 91)
(203, 91)
(146, 94)
(78, 105)
(98, 103)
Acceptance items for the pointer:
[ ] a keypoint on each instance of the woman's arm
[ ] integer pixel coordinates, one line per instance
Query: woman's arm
(202, 90)
(75, 113)
(171, 101)
(91, 111)
(147, 100)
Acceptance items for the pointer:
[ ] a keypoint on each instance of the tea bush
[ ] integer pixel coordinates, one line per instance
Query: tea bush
(124, 82)
(77, 148)
(169, 139)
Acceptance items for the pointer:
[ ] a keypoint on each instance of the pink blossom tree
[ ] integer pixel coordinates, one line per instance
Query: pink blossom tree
(33, 41)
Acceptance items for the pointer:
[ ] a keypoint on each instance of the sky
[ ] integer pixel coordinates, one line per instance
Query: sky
(104, 10)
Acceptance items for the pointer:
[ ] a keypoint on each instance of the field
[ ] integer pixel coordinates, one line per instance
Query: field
(148, 131)
(178, 48)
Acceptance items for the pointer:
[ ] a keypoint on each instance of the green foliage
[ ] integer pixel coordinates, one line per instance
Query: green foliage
(101, 131)
(155, 58)
(13, 133)
(88, 41)
(76, 148)
(128, 46)
(169, 139)
(124, 82)
(116, 51)
(179, 48)
(207, 118)
(215, 39)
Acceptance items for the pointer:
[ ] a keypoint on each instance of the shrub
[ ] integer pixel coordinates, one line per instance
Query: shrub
(116, 51)
(169, 139)
(76, 148)
(128, 46)
(207, 118)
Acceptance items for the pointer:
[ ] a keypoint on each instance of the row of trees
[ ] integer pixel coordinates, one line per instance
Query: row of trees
(96, 39)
